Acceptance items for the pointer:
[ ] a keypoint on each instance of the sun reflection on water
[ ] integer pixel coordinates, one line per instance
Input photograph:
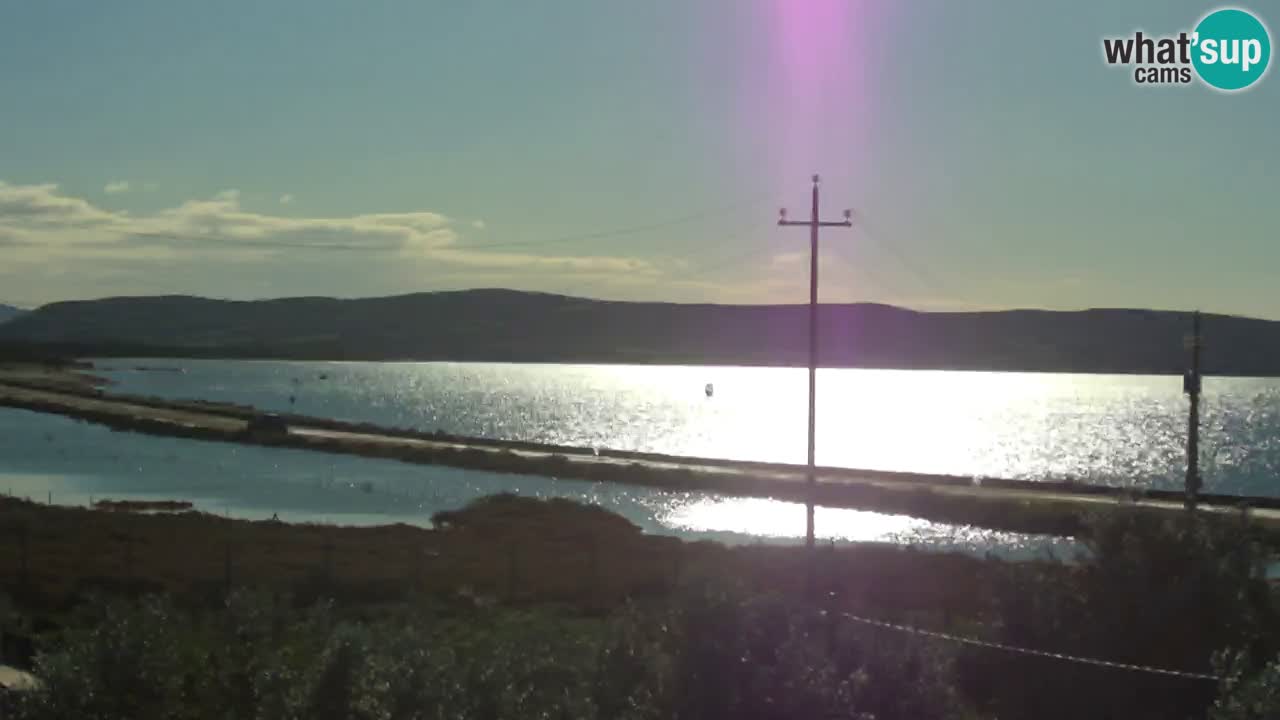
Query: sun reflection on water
(1104, 429)
(777, 520)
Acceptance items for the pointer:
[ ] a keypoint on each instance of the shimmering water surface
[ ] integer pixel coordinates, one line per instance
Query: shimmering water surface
(1119, 430)
(52, 458)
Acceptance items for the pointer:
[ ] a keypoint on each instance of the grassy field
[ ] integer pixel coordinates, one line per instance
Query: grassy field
(554, 609)
(505, 548)
(63, 375)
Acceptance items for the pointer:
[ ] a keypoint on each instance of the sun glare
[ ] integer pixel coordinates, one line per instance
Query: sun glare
(777, 519)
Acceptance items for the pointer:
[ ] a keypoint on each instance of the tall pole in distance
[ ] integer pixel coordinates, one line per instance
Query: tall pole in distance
(813, 223)
(1191, 386)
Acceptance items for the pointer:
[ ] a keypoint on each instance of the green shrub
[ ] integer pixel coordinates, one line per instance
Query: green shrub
(712, 655)
(1167, 593)
(1246, 693)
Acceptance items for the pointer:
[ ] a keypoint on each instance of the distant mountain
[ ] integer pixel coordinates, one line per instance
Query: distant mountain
(506, 325)
(9, 312)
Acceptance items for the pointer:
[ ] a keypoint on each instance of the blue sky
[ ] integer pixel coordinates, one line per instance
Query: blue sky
(172, 147)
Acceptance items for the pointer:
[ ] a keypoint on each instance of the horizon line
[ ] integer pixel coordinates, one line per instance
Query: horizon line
(857, 303)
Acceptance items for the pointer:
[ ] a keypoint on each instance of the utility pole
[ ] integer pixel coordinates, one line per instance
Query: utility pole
(1191, 386)
(813, 223)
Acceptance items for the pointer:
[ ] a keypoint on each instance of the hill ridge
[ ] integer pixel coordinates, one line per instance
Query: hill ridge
(497, 324)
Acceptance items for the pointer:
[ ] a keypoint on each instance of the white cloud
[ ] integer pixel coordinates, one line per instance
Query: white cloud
(477, 224)
(286, 198)
(116, 187)
(41, 206)
(217, 243)
(558, 263)
(789, 259)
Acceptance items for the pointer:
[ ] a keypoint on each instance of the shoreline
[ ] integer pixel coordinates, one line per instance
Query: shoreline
(1162, 372)
(107, 354)
(498, 548)
(1050, 508)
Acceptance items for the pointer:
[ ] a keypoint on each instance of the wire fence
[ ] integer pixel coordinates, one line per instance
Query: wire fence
(946, 637)
(170, 549)
(365, 564)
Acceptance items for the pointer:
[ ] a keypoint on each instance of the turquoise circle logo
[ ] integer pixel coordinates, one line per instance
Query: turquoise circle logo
(1232, 49)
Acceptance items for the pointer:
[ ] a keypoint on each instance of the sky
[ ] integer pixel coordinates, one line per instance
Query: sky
(628, 150)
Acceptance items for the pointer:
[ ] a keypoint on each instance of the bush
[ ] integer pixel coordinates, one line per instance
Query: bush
(1246, 694)
(127, 662)
(1157, 592)
(713, 655)
(768, 659)
(1170, 594)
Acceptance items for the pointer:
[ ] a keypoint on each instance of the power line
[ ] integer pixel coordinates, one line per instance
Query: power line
(720, 263)
(632, 230)
(355, 247)
(258, 243)
(813, 223)
(927, 279)
(700, 266)
(1028, 651)
(737, 260)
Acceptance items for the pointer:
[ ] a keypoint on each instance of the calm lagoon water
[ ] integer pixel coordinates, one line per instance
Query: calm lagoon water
(49, 457)
(1119, 430)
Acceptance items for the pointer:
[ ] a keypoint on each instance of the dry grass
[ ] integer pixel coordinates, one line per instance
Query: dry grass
(508, 549)
(68, 378)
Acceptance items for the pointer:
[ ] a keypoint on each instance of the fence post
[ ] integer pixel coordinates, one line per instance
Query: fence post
(277, 619)
(513, 571)
(128, 556)
(327, 572)
(832, 568)
(832, 618)
(22, 541)
(593, 572)
(677, 565)
(227, 569)
(417, 568)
